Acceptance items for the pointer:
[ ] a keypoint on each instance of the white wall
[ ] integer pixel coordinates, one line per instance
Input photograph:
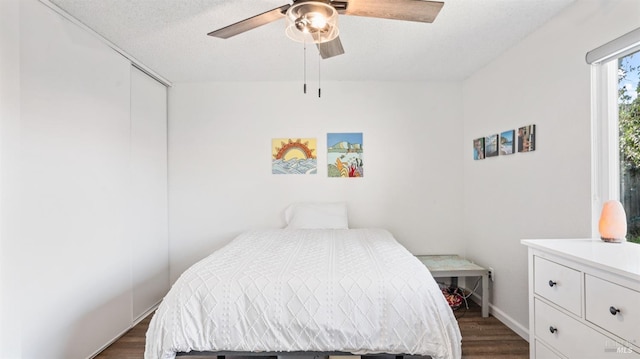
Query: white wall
(543, 80)
(220, 167)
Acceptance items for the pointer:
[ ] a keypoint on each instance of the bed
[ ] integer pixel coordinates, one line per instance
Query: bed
(306, 290)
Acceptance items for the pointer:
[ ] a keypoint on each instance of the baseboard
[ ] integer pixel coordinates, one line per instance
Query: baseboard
(120, 335)
(152, 309)
(504, 318)
(95, 354)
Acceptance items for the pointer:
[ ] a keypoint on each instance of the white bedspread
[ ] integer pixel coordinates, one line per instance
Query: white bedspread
(355, 290)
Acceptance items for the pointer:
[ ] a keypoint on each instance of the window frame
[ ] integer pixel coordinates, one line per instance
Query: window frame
(605, 144)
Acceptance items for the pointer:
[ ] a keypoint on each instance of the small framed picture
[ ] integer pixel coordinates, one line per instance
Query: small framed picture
(507, 143)
(344, 155)
(294, 156)
(478, 148)
(527, 138)
(491, 146)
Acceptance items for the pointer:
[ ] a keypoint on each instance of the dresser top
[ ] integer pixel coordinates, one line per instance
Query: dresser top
(621, 258)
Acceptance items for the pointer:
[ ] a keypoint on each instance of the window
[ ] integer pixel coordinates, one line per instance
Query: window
(629, 140)
(616, 128)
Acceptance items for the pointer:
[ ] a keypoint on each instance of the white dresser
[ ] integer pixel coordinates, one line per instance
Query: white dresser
(584, 299)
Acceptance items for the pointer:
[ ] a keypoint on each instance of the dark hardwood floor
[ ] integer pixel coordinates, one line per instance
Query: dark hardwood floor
(485, 338)
(482, 338)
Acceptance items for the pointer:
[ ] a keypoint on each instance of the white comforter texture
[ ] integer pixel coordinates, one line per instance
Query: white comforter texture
(354, 290)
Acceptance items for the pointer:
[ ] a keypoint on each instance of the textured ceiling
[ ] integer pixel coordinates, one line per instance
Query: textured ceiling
(169, 37)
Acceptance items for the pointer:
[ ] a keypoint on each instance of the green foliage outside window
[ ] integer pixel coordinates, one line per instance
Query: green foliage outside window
(629, 124)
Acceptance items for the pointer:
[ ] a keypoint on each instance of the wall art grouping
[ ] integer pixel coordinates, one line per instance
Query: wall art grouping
(505, 143)
(299, 155)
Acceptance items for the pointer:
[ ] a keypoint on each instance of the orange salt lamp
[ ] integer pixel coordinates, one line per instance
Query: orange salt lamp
(613, 222)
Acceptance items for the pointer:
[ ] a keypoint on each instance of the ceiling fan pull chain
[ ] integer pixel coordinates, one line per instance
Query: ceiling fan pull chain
(319, 65)
(304, 89)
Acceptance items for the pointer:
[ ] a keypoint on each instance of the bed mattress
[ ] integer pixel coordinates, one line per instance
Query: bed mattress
(355, 290)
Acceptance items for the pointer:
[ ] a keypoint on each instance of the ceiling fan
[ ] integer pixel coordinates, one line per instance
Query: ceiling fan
(316, 21)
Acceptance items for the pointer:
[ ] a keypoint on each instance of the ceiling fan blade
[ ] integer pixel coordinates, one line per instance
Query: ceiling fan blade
(408, 10)
(250, 23)
(330, 48)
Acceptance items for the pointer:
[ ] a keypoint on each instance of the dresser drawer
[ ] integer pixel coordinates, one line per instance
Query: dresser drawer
(557, 283)
(572, 338)
(603, 298)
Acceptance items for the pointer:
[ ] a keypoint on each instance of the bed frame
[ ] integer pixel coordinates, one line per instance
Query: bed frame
(223, 354)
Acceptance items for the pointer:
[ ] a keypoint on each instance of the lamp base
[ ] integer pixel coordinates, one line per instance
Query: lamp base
(613, 240)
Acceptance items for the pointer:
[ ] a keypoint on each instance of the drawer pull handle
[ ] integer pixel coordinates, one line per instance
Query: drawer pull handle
(553, 330)
(552, 283)
(614, 310)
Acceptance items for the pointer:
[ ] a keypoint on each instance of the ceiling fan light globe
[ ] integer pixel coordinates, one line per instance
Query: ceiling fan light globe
(312, 21)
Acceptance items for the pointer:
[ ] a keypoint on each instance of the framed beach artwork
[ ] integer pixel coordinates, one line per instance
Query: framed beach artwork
(478, 148)
(294, 156)
(344, 155)
(527, 138)
(507, 143)
(491, 146)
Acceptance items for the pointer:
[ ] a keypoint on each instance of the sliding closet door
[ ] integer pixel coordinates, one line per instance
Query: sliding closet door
(149, 192)
(74, 169)
(9, 177)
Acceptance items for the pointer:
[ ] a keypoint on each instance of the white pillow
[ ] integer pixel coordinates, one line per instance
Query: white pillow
(317, 216)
